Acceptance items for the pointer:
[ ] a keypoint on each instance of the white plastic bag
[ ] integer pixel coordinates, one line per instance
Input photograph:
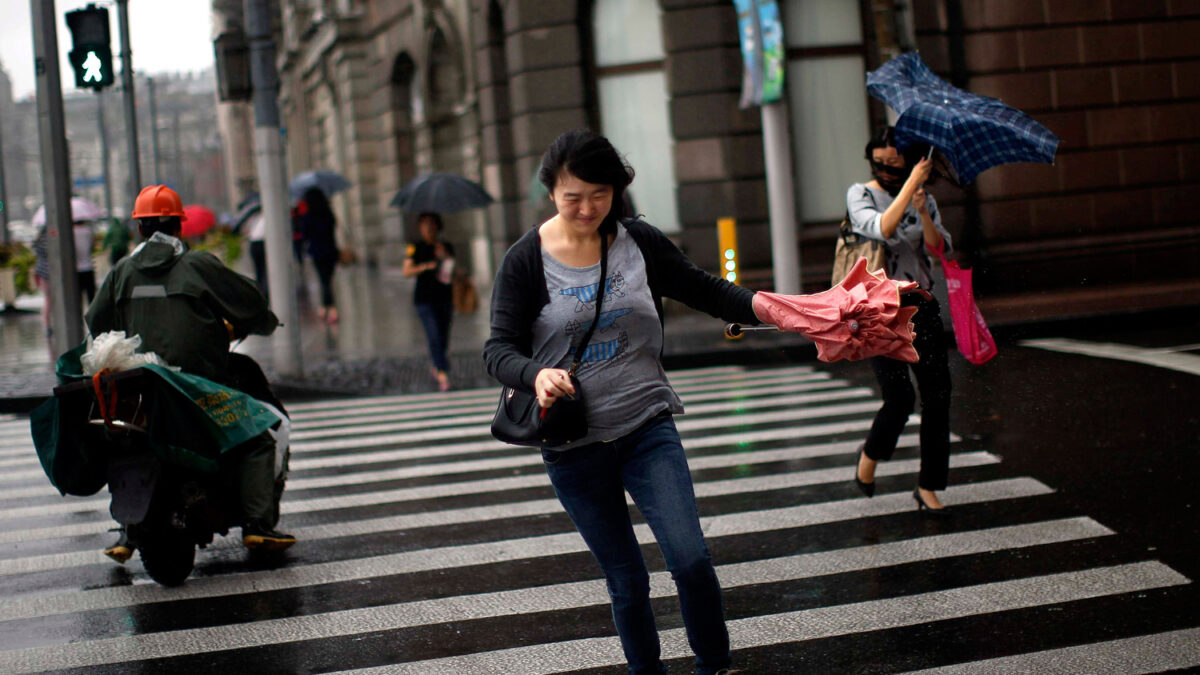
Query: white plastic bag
(115, 352)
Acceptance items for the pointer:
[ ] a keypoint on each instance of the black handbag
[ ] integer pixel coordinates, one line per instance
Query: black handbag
(519, 419)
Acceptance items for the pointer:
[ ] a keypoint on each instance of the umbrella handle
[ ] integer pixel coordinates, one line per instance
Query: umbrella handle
(735, 331)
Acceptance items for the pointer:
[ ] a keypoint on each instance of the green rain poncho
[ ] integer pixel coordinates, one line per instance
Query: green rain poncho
(178, 301)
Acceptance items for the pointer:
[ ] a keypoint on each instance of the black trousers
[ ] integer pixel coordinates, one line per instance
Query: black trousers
(933, 380)
(325, 275)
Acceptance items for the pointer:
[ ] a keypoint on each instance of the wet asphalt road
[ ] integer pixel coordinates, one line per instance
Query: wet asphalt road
(1072, 547)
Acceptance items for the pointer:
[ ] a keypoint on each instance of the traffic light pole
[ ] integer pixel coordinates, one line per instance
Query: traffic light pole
(268, 151)
(135, 168)
(108, 203)
(66, 310)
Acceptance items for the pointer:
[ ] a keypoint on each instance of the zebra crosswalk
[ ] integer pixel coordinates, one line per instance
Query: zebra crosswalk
(427, 547)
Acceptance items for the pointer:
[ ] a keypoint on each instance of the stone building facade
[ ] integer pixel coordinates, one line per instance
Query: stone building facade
(382, 90)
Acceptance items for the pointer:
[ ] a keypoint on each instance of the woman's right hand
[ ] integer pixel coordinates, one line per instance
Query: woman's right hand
(552, 384)
(920, 172)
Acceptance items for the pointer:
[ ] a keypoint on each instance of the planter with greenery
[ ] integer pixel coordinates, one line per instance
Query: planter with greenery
(16, 270)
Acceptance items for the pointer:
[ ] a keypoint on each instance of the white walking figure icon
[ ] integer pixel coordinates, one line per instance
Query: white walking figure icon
(91, 68)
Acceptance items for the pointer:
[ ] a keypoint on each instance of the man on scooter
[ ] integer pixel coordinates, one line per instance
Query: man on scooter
(186, 306)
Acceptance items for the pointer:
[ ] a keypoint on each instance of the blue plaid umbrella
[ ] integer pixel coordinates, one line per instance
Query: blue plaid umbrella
(973, 132)
(328, 182)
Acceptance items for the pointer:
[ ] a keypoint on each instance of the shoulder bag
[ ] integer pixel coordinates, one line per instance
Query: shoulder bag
(850, 247)
(519, 419)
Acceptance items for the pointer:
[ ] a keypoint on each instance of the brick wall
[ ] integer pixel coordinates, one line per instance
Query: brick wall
(1119, 82)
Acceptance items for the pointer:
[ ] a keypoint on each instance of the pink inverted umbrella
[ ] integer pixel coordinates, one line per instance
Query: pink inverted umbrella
(859, 318)
(197, 220)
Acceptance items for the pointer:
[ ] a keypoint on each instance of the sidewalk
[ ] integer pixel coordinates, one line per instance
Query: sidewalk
(377, 347)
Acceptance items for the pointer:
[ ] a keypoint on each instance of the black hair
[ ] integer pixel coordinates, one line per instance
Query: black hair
(884, 137)
(318, 205)
(170, 225)
(437, 218)
(591, 158)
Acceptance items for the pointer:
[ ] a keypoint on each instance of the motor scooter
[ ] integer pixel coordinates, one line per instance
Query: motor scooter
(169, 499)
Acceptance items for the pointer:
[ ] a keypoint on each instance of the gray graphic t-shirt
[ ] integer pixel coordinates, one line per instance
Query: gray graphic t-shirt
(623, 382)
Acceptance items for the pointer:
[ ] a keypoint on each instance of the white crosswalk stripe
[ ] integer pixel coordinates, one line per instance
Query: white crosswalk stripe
(413, 521)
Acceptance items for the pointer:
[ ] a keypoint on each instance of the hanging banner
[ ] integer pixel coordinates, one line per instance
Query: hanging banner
(760, 32)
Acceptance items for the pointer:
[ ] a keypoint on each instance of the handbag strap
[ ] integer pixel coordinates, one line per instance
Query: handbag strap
(600, 289)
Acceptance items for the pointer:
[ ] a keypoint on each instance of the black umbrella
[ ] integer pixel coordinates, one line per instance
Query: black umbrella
(441, 193)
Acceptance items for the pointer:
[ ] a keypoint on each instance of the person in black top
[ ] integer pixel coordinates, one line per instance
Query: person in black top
(318, 225)
(431, 261)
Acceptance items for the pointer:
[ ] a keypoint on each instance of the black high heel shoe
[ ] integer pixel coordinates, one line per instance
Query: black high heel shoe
(867, 489)
(926, 510)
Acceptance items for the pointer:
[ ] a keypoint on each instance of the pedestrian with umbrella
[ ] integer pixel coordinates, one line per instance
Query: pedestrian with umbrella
(894, 208)
(318, 227)
(971, 133)
(430, 259)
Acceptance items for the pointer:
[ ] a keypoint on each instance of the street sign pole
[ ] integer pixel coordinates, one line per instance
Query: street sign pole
(268, 151)
(66, 310)
(131, 135)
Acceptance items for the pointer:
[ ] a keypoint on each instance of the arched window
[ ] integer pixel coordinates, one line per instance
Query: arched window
(826, 84)
(403, 71)
(633, 101)
(445, 84)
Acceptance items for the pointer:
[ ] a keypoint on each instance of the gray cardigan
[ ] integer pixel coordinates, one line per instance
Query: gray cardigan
(519, 293)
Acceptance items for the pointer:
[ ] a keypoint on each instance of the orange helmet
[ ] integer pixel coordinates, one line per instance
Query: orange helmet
(158, 201)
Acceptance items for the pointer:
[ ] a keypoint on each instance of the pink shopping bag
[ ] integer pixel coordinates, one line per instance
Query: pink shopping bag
(970, 331)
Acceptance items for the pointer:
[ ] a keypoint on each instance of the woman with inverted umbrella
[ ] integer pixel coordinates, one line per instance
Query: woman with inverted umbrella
(431, 261)
(894, 209)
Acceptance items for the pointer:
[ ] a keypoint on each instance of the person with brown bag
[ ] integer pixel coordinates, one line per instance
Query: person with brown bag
(895, 210)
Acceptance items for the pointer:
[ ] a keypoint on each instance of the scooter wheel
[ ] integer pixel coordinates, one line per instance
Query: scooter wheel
(168, 555)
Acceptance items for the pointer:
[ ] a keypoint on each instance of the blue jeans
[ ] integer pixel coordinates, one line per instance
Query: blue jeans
(591, 482)
(436, 320)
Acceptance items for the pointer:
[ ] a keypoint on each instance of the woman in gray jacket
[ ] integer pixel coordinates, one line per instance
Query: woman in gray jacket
(895, 209)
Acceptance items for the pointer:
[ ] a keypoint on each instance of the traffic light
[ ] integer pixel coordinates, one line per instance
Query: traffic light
(233, 66)
(727, 244)
(91, 55)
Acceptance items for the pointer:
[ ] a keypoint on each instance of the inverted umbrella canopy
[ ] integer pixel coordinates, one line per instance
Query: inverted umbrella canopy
(329, 182)
(81, 210)
(859, 318)
(197, 220)
(441, 193)
(974, 133)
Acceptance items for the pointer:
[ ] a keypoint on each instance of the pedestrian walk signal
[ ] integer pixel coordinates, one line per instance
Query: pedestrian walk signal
(91, 53)
(727, 245)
